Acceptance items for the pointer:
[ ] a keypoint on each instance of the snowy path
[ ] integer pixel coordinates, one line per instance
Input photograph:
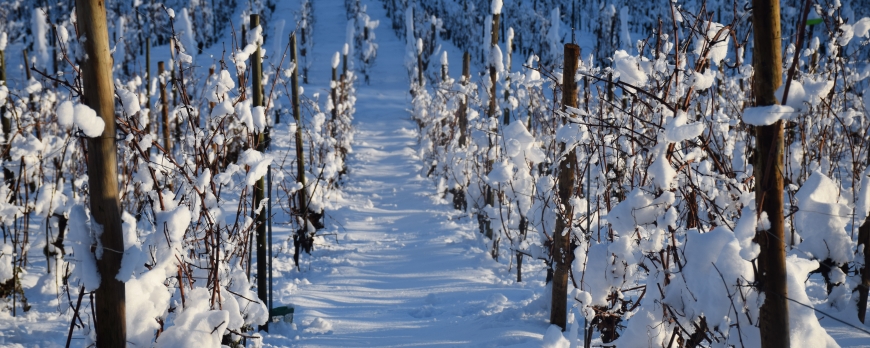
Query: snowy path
(398, 272)
(397, 276)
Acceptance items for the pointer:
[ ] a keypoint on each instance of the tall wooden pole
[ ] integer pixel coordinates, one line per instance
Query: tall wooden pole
(260, 186)
(148, 81)
(771, 278)
(561, 235)
(99, 94)
(489, 197)
(301, 238)
(493, 75)
(334, 94)
(167, 144)
(463, 106)
(864, 286)
(8, 175)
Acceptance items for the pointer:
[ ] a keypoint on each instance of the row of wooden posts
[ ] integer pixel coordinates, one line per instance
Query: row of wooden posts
(773, 320)
(98, 94)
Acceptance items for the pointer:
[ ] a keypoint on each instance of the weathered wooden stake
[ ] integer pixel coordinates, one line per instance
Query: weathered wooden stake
(148, 81)
(561, 235)
(99, 94)
(463, 106)
(489, 198)
(301, 237)
(260, 186)
(773, 321)
(8, 175)
(167, 144)
(333, 90)
(493, 75)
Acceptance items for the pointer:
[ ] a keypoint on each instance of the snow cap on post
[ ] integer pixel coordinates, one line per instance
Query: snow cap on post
(335, 59)
(443, 57)
(419, 46)
(496, 6)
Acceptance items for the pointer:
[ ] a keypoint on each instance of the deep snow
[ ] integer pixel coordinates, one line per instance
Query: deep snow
(396, 266)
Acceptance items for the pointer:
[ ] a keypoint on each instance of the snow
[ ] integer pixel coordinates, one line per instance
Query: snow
(40, 36)
(87, 120)
(718, 47)
(496, 60)
(4, 39)
(277, 39)
(80, 238)
(196, 324)
(65, 114)
(553, 34)
(846, 34)
(258, 115)
(223, 108)
(218, 85)
(767, 115)
(129, 100)
(862, 27)
(396, 264)
(259, 163)
(704, 80)
(627, 69)
(554, 338)
(821, 219)
(676, 130)
(804, 326)
(495, 7)
(661, 171)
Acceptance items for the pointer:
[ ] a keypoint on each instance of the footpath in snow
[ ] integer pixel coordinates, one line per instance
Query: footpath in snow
(398, 273)
(400, 269)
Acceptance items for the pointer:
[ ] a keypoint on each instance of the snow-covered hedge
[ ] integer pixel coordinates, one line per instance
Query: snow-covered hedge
(662, 218)
(186, 194)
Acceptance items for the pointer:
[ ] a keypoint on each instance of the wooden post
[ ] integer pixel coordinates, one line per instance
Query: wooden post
(99, 94)
(420, 67)
(54, 66)
(8, 175)
(489, 197)
(507, 93)
(148, 81)
(773, 321)
(301, 237)
(463, 106)
(492, 73)
(864, 287)
(334, 94)
(444, 70)
(167, 144)
(561, 235)
(303, 52)
(242, 82)
(260, 186)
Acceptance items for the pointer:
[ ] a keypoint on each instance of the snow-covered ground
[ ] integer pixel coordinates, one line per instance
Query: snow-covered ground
(396, 265)
(399, 266)
(401, 270)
